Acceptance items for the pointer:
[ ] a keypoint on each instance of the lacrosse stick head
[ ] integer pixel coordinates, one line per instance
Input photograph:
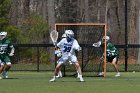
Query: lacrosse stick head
(54, 36)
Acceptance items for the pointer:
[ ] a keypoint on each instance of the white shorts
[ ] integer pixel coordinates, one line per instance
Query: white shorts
(66, 58)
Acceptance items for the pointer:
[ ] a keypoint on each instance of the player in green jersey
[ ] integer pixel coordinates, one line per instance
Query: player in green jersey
(6, 50)
(111, 53)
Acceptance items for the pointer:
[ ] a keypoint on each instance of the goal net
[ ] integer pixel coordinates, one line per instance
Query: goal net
(89, 57)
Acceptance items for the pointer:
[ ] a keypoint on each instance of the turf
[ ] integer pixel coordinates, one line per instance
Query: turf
(38, 82)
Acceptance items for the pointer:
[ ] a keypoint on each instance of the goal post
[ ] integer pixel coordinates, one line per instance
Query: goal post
(87, 34)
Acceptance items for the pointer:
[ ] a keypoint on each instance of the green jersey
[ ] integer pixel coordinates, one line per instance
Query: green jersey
(5, 46)
(111, 50)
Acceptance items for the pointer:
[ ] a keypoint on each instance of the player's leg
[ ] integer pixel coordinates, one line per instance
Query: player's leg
(59, 75)
(56, 72)
(7, 66)
(57, 69)
(1, 68)
(76, 70)
(101, 67)
(114, 63)
(77, 66)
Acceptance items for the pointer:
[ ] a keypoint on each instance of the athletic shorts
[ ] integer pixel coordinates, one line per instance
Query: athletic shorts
(110, 59)
(5, 59)
(65, 58)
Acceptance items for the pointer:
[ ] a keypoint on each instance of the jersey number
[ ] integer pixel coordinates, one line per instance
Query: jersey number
(67, 49)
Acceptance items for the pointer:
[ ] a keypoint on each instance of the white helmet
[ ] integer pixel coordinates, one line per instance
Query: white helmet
(107, 38)
(3, 35)
(69, 33)
(64, 35)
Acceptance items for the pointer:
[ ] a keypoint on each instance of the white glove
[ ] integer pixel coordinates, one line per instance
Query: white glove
(97, 44)
(78, 48)
(58, 53)
(11, 54)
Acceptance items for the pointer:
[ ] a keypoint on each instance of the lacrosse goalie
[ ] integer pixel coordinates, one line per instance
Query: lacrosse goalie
(111, 54)
(59, 54)
(68, 46)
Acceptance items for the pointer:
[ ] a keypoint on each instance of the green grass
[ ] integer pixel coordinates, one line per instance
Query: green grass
(38, 82)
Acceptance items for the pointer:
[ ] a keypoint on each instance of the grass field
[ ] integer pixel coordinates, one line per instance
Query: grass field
(38, 82)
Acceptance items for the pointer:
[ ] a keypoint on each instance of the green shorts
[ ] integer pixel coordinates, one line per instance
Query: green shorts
(5, 59)
(110, 58)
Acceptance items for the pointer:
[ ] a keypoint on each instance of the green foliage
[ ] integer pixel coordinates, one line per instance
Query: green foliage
(4, 11)
(13, 33)
(4, 7)
(27, 53)
(44, 57)
(34, 28)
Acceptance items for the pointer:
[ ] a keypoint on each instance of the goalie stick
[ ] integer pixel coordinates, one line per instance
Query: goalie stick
(54, 37)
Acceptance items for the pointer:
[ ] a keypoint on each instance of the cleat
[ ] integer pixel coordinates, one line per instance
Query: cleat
(0, 77)
(78, 77)
(101, 74)
(52, 80)
(6, 77)
(4, 74)
(81, 79)
(58, 76)
(118, 75)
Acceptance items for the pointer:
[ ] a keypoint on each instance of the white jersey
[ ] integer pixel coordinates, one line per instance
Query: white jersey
(68, 47)
(68, 50)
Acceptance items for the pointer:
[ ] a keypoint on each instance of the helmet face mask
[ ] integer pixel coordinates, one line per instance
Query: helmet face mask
(69, 35)
(107, 39)
(3, 35)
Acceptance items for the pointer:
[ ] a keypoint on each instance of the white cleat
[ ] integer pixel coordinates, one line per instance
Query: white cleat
(81, 79)
(101, 74)
(4, 74)
(6, 77)
(0, 77)
(58, 76)
(78, 76)
(118, 75)
(52, 80)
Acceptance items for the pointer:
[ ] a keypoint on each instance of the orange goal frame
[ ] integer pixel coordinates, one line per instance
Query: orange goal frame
(89, 24)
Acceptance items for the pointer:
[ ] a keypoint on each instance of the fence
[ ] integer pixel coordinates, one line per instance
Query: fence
(40, 57)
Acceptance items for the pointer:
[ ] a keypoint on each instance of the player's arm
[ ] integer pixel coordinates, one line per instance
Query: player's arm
(11, 50)
(76, 46)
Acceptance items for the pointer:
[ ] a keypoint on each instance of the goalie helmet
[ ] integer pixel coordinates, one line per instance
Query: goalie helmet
(3, 35)
(64, 35)
(69, 32)
(69, 35)
(107, 38)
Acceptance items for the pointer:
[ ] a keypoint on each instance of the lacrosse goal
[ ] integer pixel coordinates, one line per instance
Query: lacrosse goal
(89, 57)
